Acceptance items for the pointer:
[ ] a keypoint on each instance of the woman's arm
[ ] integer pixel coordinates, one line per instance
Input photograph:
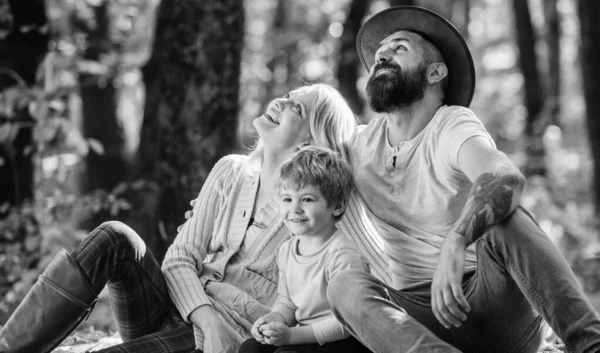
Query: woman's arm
(183, 261)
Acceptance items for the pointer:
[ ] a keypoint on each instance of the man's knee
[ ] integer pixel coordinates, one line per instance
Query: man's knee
(517, 227)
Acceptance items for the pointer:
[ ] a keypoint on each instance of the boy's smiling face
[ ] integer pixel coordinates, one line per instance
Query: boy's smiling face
(306, 211)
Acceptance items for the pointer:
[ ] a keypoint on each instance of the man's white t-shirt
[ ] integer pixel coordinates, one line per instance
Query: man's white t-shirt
(415, 192)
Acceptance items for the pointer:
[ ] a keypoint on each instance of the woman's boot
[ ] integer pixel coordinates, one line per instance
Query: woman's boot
(60, 299)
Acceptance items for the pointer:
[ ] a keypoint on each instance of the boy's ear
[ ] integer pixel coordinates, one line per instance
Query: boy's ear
(339, 208)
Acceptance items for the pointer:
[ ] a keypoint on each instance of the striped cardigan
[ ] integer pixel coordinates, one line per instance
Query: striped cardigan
(204, 265)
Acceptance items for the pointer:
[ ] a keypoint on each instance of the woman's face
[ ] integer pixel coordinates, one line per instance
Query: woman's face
(286, 123)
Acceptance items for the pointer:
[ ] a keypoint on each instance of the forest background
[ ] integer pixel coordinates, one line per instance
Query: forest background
(118, 109)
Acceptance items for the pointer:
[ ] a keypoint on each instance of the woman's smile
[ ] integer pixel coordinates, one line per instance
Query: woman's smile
(271, 118)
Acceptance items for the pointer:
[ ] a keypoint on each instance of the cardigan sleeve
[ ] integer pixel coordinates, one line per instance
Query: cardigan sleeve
(356, 224)
(184, 258)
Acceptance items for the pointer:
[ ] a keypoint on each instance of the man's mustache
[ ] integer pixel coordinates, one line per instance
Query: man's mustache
(386, 65)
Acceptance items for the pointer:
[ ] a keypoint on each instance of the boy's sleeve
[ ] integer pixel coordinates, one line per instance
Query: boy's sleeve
(330, 329)
(284, 305)
(345, 259)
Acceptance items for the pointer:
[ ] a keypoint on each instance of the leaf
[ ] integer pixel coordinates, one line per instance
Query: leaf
(4, 133)
(75, 140)
(96, 146)
(32, 243)
(38, 109)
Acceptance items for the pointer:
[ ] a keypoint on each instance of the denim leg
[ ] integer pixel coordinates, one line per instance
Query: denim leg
(363, 306)
(174, 337)
(138, 291)
(544, 277)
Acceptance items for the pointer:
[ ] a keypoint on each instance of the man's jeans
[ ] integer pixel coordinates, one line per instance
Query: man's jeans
(520, 275)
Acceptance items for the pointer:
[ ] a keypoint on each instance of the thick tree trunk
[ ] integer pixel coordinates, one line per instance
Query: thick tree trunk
(461, 18)
(348, 64)
(191, 109)
(100, 120)
(401, 2)
(21, 52)
(534, 97)
(552, 104)
(589, 13)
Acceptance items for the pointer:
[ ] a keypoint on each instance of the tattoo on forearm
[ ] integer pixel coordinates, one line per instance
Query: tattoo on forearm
(488, 203)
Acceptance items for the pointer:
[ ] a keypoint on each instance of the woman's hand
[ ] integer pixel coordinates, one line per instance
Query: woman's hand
(276, 333)
(218, 336)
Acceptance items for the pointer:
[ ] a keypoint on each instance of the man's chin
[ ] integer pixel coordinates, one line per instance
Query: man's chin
(381, 107)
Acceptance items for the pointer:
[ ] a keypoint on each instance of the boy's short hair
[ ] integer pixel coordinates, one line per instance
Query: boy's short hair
(322, 168)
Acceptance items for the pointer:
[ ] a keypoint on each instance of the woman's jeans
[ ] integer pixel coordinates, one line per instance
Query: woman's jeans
(521, 277)
(146, 318)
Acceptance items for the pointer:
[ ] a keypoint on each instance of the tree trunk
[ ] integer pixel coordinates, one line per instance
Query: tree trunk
(444, 8)
(191, 109)
(99, 110)
(460, 17)
(534, 125)
(21, 51)
(589, 12)
(348, 64)
(401, 2)
(552, 104)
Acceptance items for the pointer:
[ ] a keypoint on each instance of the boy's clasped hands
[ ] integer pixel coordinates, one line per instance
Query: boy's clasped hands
(268, 330)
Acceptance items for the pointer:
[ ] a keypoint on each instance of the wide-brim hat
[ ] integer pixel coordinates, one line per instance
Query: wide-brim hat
(433, 28)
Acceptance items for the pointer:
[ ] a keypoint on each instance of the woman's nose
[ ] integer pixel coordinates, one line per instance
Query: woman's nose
(279, 104)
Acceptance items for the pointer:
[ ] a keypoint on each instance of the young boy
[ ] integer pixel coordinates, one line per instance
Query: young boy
(314, 186)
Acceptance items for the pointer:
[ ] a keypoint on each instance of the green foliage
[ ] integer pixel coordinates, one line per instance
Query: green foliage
(6, 19)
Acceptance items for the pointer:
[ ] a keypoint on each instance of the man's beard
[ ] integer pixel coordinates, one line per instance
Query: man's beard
(397, 90)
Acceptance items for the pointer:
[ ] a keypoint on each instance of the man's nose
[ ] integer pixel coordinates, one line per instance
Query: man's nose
(382, 56)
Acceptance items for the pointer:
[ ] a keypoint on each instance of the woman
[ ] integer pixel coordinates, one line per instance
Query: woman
(218, 276)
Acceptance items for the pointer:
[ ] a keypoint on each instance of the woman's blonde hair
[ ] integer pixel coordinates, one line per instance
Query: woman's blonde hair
(331, 120)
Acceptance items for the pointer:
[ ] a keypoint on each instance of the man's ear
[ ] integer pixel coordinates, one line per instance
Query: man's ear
(436, 72)
(339, 208)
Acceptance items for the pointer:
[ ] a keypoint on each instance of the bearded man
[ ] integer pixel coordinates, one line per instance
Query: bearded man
(467, 262)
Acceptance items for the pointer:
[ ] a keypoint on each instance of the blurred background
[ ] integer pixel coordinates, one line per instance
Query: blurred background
(118, 109)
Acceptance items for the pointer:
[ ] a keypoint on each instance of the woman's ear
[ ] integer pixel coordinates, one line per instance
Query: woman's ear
(436, 72)
(339, 208)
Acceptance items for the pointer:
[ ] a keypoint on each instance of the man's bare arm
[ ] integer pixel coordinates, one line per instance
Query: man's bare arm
(492, 198)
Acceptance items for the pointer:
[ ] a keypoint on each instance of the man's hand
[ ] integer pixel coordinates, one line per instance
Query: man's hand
(448, 301)
(188, 214)
(276, 333)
